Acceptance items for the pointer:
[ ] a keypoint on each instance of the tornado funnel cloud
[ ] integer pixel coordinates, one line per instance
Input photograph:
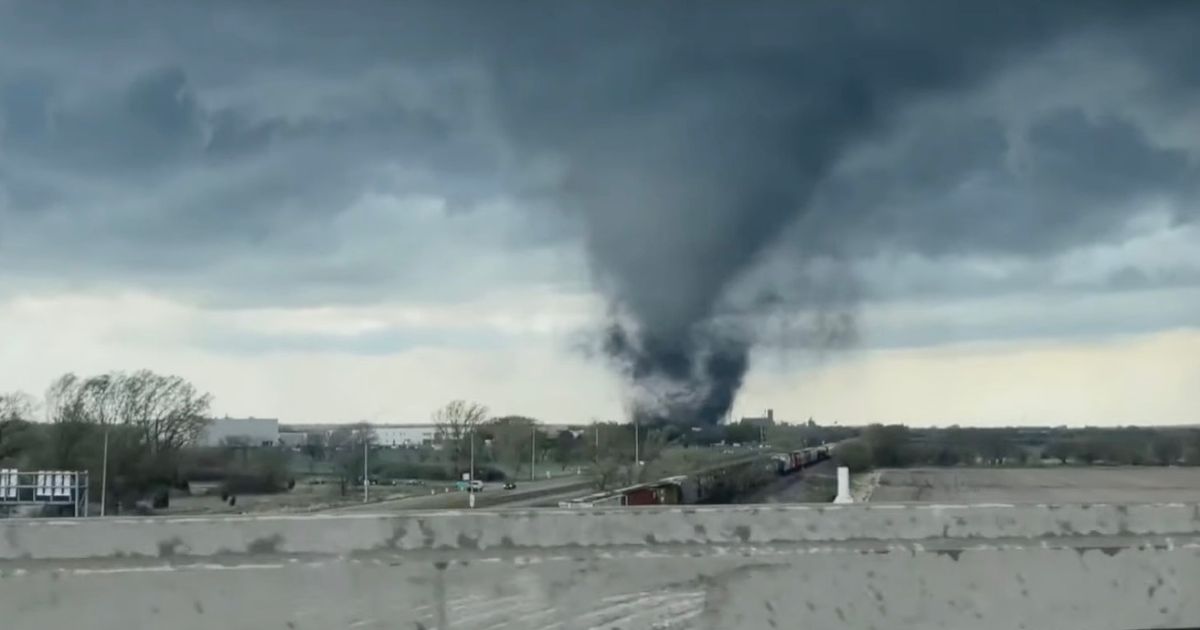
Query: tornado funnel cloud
(700, 152)
(685, 380)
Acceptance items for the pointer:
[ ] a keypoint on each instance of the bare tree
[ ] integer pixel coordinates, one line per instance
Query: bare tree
(71, 434)
(16, 414)
(17, 406)
(621, 460)
(347, 443)
(167, 410)
(608, 474)
(512, 440)
(316, 447)
(64, 402)
(652, 444)
(455, 424)
(145, 418)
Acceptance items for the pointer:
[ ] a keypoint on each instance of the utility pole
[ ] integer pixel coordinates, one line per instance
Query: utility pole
(637, 460)
(471, 473)
(532, 452)
(366, 477)
(104, 474)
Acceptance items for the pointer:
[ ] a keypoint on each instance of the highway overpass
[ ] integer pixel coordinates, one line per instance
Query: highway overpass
(1119, 567)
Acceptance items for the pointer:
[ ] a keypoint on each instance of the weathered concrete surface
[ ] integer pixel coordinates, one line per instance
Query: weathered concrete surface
(860, 566)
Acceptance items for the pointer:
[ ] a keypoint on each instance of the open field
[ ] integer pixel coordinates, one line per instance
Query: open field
(1039, 485)
(305, 497)
(327, 498)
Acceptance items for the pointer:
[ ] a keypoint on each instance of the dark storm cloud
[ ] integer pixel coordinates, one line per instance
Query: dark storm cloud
(693, 146)
(146, 174)
(155, 128)
(376, 343)
(958, 186)
(688, 165)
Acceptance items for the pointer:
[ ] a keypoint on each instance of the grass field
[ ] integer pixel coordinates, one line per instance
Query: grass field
(1039, 485)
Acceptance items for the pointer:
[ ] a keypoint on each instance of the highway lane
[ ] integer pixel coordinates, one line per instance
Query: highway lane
(493, 494)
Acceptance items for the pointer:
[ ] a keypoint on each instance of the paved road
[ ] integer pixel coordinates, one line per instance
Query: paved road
(493, 494)
(1039, 485)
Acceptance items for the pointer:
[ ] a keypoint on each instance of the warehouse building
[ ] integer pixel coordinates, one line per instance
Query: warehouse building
(241, 432)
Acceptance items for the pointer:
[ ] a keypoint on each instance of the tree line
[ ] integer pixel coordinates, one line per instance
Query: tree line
(891, 446)
(507, 446)
(151, 424)
(143, 419)
(504, 447)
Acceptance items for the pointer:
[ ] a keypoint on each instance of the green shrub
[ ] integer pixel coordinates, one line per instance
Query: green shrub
(853, 454)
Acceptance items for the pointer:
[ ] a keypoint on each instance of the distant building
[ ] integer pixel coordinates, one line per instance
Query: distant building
(293, 439)
(241, 432)
(398, 435)
(761, 421)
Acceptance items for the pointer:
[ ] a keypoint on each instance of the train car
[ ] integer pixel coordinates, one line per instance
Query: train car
(716, 484)
(783, 464)
(599, 499)
(686, 488)
(640, 495)
(668, 491)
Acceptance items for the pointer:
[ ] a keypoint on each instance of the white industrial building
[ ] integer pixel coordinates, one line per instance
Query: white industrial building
(398, 435)
(241, 432)
(293, 439)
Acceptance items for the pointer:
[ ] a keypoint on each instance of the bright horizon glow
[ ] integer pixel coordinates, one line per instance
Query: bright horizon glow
(530, 368)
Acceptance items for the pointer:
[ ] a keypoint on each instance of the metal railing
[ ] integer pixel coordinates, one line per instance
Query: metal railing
(45, 488)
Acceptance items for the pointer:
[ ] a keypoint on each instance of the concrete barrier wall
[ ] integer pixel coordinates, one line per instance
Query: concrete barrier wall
(857, 566)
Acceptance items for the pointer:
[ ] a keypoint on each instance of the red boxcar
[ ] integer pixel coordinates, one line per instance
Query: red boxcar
(641, 496)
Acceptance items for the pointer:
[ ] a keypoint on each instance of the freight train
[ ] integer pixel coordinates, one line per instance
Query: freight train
(788, 463)
(716, 484)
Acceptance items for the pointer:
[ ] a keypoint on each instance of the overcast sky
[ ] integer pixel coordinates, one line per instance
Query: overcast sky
(329, 212)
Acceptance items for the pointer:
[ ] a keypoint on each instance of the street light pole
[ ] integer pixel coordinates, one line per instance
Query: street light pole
(104, 474)
(532, 453)
(637, 460)
(471, 473)
(366, 478)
